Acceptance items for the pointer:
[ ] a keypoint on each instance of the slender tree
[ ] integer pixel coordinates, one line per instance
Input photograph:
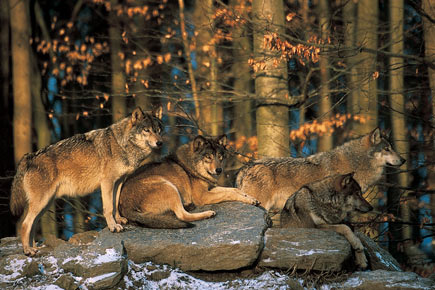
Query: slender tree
(325, 102)
(4, 51)
(242, 50)
(21, 69)
(365, 101)
(397, 102)
(271, 82)
(119, 109)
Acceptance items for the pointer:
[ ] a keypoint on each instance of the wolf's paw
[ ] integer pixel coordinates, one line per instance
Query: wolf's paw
(209, 214)
(250, 200)
(121, 220)
(360, 259)
(115, 228)
(30, 251)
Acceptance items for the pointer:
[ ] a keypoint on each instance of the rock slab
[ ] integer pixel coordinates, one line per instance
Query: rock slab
(308, 249)
(231, 240)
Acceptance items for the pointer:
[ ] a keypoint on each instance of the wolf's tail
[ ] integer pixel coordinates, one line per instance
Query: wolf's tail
(159, 221)
(240, 176)
(18, 198)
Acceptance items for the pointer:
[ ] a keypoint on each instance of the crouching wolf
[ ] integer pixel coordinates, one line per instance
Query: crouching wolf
(273, 180)
(325, 204)
(78, 165)
(155, 195)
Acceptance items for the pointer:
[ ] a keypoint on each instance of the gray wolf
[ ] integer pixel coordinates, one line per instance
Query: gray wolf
(273, 180)
(156, 194)
(325, 204)
(78, 165)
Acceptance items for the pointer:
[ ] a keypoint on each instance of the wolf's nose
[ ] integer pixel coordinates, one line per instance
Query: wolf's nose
(402, 161)
(218, 171)
(159, 143)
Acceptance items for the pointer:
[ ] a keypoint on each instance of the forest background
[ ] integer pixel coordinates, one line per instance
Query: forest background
(280, 78)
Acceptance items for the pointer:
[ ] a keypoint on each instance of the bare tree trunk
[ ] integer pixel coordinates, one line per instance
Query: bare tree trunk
(325, 103)
(271, 83)
(349, 18)
(397, 101)
(4, 51)
(21, 70)
(205, 52)
(429, 43)
(119, 109)
(366, 101)
(242, 49)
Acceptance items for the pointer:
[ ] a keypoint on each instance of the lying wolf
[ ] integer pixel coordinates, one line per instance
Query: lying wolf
(78, 165)
(325, 204)
(156, 194)
(273, 180)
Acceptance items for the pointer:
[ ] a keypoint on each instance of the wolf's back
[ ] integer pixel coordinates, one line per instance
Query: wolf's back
(18, 197)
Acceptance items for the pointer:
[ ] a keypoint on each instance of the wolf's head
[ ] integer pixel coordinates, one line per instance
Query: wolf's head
(347, 187)
(146, 128)
(381, 149)
(208, 155)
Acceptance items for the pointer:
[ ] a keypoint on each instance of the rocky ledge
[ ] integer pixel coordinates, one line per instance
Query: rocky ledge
(234, 250)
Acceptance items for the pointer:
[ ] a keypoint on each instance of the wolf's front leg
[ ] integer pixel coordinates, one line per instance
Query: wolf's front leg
(108, 204)
(360, 257)
(220, 194)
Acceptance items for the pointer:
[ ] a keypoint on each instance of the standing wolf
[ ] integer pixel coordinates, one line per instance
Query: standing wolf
(273, 180)
(155, 195)
(325, 204)
(78, 165)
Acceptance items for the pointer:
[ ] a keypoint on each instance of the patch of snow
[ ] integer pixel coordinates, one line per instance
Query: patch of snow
(235, 242)
(406, 285)
(312, 252)
(387, 263)
(111, 256)
(268, 260)
(47, 287)
(78, 259)
(16, 267)
(93, 280)
(194, 243)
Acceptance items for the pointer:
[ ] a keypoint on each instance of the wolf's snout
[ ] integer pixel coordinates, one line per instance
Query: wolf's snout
(218, 170)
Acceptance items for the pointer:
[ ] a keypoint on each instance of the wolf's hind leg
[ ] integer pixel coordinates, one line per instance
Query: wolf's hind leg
(117, 191)
(34, 210)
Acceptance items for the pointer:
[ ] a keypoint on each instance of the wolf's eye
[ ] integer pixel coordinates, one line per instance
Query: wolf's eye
(146, 130)
(220, 157)
(208, 156)
(387, 148)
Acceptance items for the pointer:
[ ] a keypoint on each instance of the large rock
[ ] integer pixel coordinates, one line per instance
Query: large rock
(378, 258)
(231, 240)
(308, 249)
(381, 279)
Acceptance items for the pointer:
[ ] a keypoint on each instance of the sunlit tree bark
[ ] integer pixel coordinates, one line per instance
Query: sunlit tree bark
(119, 109)
(397, 102)
(365, 101)
(242, 49)
(21, 69)
(270, 83)
(325, 103)
(203, 48)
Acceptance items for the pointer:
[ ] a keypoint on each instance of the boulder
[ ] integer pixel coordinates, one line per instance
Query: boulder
(307, 249)
(378, 258)
(231, 240)
(382, 279)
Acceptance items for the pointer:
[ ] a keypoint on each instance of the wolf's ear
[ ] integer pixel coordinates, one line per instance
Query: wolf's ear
(386, 134)
(198, 143)
(222, 140)
(158, 111)
(375, 136)
(342, 181)
(137, 116)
